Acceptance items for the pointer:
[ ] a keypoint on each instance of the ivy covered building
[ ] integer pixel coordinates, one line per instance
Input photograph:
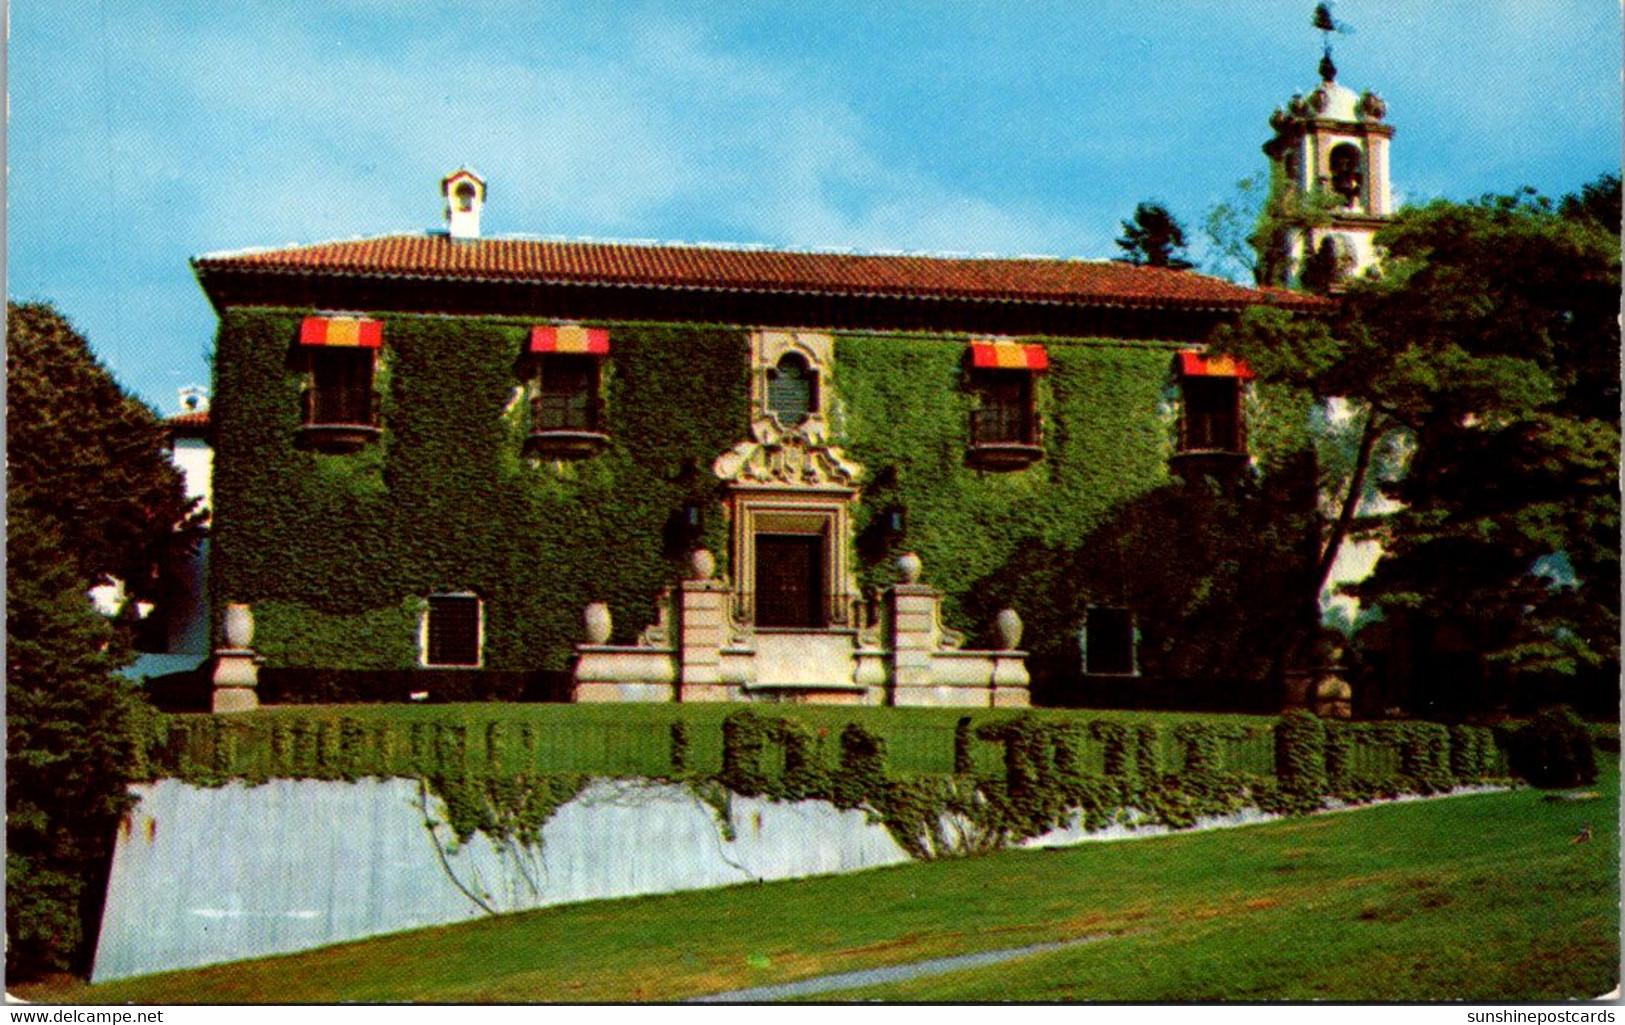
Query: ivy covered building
(463, 466)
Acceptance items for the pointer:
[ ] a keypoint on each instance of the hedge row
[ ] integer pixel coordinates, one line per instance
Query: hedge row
(486, 775)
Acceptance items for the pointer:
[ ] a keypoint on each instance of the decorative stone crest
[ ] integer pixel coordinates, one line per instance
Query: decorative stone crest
(798, 457)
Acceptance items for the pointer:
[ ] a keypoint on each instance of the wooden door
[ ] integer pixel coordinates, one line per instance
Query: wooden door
(789, 580)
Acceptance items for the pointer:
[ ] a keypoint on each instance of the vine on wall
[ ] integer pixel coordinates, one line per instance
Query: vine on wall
(482, 771)
(337, 552)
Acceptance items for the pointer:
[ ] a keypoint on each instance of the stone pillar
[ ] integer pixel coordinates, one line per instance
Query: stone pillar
(912, 612)
(236, 667)
(702, 630)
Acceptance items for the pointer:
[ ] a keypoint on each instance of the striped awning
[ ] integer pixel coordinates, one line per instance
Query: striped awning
(1196, 364)
(352, 332)
(998, 355)
(592, 341)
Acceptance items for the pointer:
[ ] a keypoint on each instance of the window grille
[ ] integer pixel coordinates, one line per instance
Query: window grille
(567, 399)
(792, 390)
(453, 631)
(341, 388)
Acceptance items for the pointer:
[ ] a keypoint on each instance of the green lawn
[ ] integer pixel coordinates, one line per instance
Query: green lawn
(1470, 898)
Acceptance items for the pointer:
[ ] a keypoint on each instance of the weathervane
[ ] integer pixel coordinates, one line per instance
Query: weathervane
(1324, 21)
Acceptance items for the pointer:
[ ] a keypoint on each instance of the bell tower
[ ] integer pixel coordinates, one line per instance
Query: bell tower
(1329, 169)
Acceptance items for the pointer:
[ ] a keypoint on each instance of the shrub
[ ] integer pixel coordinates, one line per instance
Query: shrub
(1300, 754)
(1554, 750)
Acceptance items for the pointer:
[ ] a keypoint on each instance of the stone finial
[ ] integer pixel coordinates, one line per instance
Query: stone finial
(909, 565)
(1009, 626)
(702, 565)
(597, 622)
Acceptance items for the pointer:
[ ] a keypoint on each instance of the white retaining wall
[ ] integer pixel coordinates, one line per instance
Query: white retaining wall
(208, 875)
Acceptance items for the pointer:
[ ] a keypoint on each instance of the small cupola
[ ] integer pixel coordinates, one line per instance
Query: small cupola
(464, 193)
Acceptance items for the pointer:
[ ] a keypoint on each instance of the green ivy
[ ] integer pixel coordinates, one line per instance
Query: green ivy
(481, 770)
(337, 552)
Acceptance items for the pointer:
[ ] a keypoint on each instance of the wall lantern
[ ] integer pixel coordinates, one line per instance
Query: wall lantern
(691, 517)
(893, 522)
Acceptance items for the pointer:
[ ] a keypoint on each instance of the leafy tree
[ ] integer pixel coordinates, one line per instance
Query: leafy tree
(1154, 238)
(1249, 232)
(89, 457)
(1486, 358)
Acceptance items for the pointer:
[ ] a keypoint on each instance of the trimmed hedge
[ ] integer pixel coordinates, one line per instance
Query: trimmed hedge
(1046, 770)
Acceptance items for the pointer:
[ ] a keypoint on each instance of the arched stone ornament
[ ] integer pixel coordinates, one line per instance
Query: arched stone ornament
(789, 478)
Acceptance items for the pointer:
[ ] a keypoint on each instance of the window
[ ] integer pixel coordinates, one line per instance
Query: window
(1004, 411)
(1212, 419)
(792, 390)
(340, 390)
(339, 358)
(1004, 425)
(453, 630)
(1108, 642)
(566, 370)
(567, 394)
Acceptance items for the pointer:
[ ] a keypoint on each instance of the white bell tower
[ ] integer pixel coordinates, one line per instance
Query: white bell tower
(1329, 160)
(464, 192)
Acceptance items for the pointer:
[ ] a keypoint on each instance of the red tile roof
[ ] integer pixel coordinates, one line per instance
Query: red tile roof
(199, 418)
(646, 265)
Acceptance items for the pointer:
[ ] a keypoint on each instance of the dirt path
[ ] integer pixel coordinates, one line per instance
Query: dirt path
(894, 973)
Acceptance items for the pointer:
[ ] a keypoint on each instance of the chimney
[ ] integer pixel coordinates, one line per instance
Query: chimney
(464, 192)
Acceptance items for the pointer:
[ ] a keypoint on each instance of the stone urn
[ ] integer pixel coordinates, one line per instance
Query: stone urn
(909, 565)
(1334, 698)
(1009, 626)
(598, 623)
(239, 625)
(702, 565)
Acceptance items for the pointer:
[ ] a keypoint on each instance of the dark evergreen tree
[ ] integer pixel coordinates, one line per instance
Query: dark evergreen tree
(1154, 238)
(92, 497)
(89, 457)
(73, 733)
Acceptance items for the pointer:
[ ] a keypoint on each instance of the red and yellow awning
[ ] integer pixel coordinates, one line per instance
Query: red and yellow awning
(998, 355)
(590, 341)
(1196, 364)
(352, 332)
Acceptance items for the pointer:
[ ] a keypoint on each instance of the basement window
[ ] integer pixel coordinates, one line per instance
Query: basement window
(1108, 640)
(453, 631)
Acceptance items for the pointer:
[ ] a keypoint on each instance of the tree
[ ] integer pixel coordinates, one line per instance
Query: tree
(1488, 352)
(89, 458)
(1154, 238)
(1250, 232)
(72, 744)
(92, 497)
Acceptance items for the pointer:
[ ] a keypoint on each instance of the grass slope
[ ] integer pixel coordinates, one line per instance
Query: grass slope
(1470, 898)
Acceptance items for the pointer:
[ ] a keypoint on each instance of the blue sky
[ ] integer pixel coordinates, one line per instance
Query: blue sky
(143, 133)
